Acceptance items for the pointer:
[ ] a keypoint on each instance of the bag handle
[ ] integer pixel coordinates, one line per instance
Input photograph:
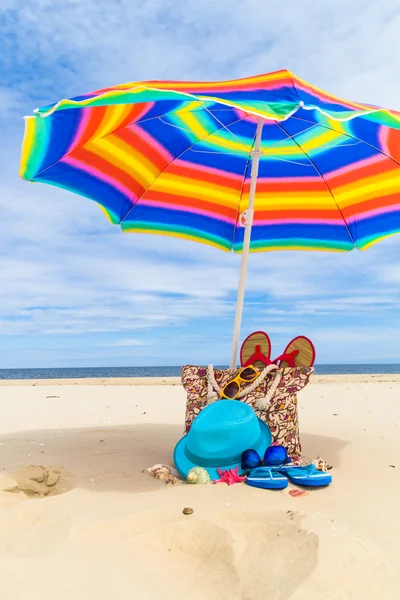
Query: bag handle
(214, 390)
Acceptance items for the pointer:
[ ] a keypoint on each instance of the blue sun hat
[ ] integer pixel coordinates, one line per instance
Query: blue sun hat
(218, 437)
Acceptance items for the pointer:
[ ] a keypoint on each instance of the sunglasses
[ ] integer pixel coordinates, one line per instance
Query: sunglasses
(232, 389)
(274, 456)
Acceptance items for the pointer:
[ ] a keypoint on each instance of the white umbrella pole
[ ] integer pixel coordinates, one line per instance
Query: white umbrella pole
(255, 159)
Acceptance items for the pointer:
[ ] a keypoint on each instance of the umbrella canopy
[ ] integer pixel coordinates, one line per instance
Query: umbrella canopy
(174, 158)
(184, 159)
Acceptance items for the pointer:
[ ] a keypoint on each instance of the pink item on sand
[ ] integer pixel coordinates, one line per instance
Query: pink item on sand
(297, 493)
(230, 476)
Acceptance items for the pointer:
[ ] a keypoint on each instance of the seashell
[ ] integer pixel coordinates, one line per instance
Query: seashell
(165, 473)
(187, 511)
(157, 467)
(198, 475)
(321, 464)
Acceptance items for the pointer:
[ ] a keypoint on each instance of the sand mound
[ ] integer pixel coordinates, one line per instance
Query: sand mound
(39, 481)
(239, 555)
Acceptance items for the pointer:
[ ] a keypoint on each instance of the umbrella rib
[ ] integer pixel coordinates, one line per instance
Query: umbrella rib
(169, 164)
(216, 131)
(323, 179)
(273, 145)
(225, 126)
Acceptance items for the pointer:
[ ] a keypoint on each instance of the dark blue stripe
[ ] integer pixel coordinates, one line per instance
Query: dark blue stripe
(82, 183)
(63, 126)
(323, 232)
(378, 225)
(180, 218)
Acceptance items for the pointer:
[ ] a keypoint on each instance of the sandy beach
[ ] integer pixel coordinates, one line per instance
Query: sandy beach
(118, 533)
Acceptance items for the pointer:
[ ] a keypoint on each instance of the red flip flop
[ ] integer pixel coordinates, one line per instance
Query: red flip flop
(300, 352)
(256, 350)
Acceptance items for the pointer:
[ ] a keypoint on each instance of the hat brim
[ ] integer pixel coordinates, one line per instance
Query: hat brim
(183, 464)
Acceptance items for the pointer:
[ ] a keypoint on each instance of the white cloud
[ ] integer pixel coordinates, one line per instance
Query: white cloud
(125, 343)
(86, 44)
(66, 272)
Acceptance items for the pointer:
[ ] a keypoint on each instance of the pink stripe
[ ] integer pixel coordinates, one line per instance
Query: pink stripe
(255, 87)
(96, 174)
(325, 97)
(266, 222)
(81, 129)
(146, 108)
(90, 95)
(376, 212)
(179, 207)
(85, 119)
(152, 142)
(383, 138)
(183, 164)
(203, 88)
(367, 162)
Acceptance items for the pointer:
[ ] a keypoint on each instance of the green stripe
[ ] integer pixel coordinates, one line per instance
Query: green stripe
(365, 241)
(125, 97)
(131, 226)
(300, 243)
(40, 140)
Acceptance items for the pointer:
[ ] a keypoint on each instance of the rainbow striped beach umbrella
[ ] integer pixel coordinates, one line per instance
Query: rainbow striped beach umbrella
(185, 159)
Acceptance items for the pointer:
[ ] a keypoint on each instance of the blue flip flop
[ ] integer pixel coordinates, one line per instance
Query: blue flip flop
(308, 476)
(267, 478)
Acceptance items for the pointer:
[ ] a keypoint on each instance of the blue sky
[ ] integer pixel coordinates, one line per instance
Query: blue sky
(75, 291)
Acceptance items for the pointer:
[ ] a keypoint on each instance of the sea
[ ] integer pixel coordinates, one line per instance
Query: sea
(105, 372)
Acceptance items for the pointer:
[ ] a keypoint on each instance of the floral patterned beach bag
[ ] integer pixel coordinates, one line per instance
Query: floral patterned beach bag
(273, 396)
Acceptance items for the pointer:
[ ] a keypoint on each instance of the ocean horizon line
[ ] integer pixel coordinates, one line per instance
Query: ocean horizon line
(175, 371)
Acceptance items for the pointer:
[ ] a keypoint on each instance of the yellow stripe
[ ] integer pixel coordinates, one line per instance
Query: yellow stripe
(187, 85)
(289, 148)
(308, 248)
(126, 158)
(246, 107)
(325, 94)
(105, 212)
(325, 139)
(365, 189)
(377, 240)
(27, 143)
(222, 139)
(192, 238)
(192, 123)
(196, 189)
(291, 201)
(114, 116)
(336, 125)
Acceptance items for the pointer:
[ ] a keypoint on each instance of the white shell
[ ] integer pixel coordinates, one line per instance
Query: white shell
(164, 473)
(198, 475)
